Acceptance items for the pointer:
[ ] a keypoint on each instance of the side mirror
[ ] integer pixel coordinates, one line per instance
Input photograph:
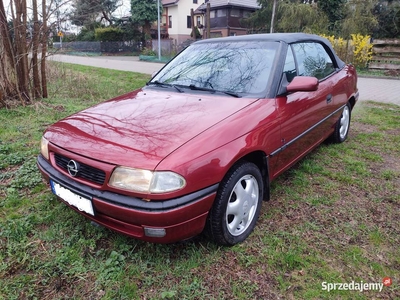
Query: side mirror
(303, 84)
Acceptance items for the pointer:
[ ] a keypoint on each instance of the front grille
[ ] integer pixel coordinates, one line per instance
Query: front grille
(86, 172)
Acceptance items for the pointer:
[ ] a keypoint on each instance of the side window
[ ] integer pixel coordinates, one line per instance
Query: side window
(290, 66)
(313, 60)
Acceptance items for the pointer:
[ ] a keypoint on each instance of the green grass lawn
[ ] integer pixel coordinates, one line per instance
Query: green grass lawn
(378, 73)
(333, 218)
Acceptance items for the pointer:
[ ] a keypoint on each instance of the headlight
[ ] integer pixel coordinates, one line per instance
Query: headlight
(146, 181)
(166, 182)
(44, 150)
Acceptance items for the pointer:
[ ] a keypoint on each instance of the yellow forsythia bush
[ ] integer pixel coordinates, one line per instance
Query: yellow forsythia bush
(358, 51)
(362, 50)
(340, 46)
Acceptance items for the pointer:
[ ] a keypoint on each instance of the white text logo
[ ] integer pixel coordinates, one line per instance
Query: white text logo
(352, 286)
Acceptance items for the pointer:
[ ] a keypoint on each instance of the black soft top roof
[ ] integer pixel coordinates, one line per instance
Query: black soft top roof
(288, 38)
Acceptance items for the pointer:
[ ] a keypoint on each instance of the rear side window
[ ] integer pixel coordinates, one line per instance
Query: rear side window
(313, 60)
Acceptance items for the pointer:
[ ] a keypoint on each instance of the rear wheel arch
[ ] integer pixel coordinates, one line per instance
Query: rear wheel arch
(352, 102)
(342, 125)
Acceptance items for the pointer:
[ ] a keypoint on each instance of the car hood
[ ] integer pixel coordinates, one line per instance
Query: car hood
(141, 128)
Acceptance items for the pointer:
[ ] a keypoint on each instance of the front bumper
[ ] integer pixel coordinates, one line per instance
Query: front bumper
(179, 218)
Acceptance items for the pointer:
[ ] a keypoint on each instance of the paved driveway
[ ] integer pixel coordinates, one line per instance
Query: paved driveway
(376, 89)
(121, 63)
(381, 90)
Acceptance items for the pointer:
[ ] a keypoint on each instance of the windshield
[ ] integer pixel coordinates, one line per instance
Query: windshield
(230, 67)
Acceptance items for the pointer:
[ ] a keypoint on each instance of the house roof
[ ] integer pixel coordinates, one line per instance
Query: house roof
(169, 2)
(253, 4)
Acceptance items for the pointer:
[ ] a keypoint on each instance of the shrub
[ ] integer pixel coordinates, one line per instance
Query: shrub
(86, 35)
(148, 52)
(340, 46)
(109, 34)
(358, 51)
(362, 50)
(196, 33)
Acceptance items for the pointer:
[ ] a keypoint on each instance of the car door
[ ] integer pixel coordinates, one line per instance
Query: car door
(303, 115)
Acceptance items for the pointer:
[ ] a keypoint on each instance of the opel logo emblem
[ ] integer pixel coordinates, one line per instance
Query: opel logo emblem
(73, 168)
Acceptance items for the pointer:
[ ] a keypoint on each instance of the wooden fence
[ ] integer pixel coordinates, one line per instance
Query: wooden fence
(386, 55)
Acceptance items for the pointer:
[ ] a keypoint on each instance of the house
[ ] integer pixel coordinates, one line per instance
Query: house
(176, 22)
(225, 16)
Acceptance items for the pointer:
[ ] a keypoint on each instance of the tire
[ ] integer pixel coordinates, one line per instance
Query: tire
(342, 126)
(237, 205)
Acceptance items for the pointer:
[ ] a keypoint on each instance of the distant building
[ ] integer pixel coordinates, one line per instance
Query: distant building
(176, 22)
(225, 16)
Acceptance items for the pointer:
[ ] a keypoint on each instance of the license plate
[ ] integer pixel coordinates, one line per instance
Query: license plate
(81, 203)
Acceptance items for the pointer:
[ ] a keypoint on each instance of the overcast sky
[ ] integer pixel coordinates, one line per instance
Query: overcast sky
(123, 10)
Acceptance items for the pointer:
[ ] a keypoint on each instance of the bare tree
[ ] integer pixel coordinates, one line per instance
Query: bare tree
(23, 50)
(20, 18)
(35, 47)
(7, 61)
(44, 50)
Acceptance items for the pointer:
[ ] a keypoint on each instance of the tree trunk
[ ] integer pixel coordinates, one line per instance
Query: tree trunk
(5, 36)
(21, 78)
(208, 19)
(193, 34)
(4, 82)
(273, 17)
(44, 51)
(35, 46)
(8, 84)
(19, 22)
(147, 32)
(106, 17)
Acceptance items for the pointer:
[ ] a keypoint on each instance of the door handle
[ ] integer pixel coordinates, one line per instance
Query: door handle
(329, 98)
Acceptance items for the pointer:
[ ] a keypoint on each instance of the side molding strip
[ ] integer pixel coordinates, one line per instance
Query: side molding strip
(305, 132)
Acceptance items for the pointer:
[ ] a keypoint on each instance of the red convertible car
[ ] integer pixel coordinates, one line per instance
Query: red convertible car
(196, 148)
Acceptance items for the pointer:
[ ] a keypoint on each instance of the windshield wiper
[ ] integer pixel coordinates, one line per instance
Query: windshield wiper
(162, 84)
(233, 94)
(197, 88)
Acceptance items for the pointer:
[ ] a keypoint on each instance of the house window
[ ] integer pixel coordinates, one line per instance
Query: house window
(170, 21)
(213, 14)
(189, 22)
(235, 12)
(198, 21)
(221, 13)
(194, 1)
(246, 14)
